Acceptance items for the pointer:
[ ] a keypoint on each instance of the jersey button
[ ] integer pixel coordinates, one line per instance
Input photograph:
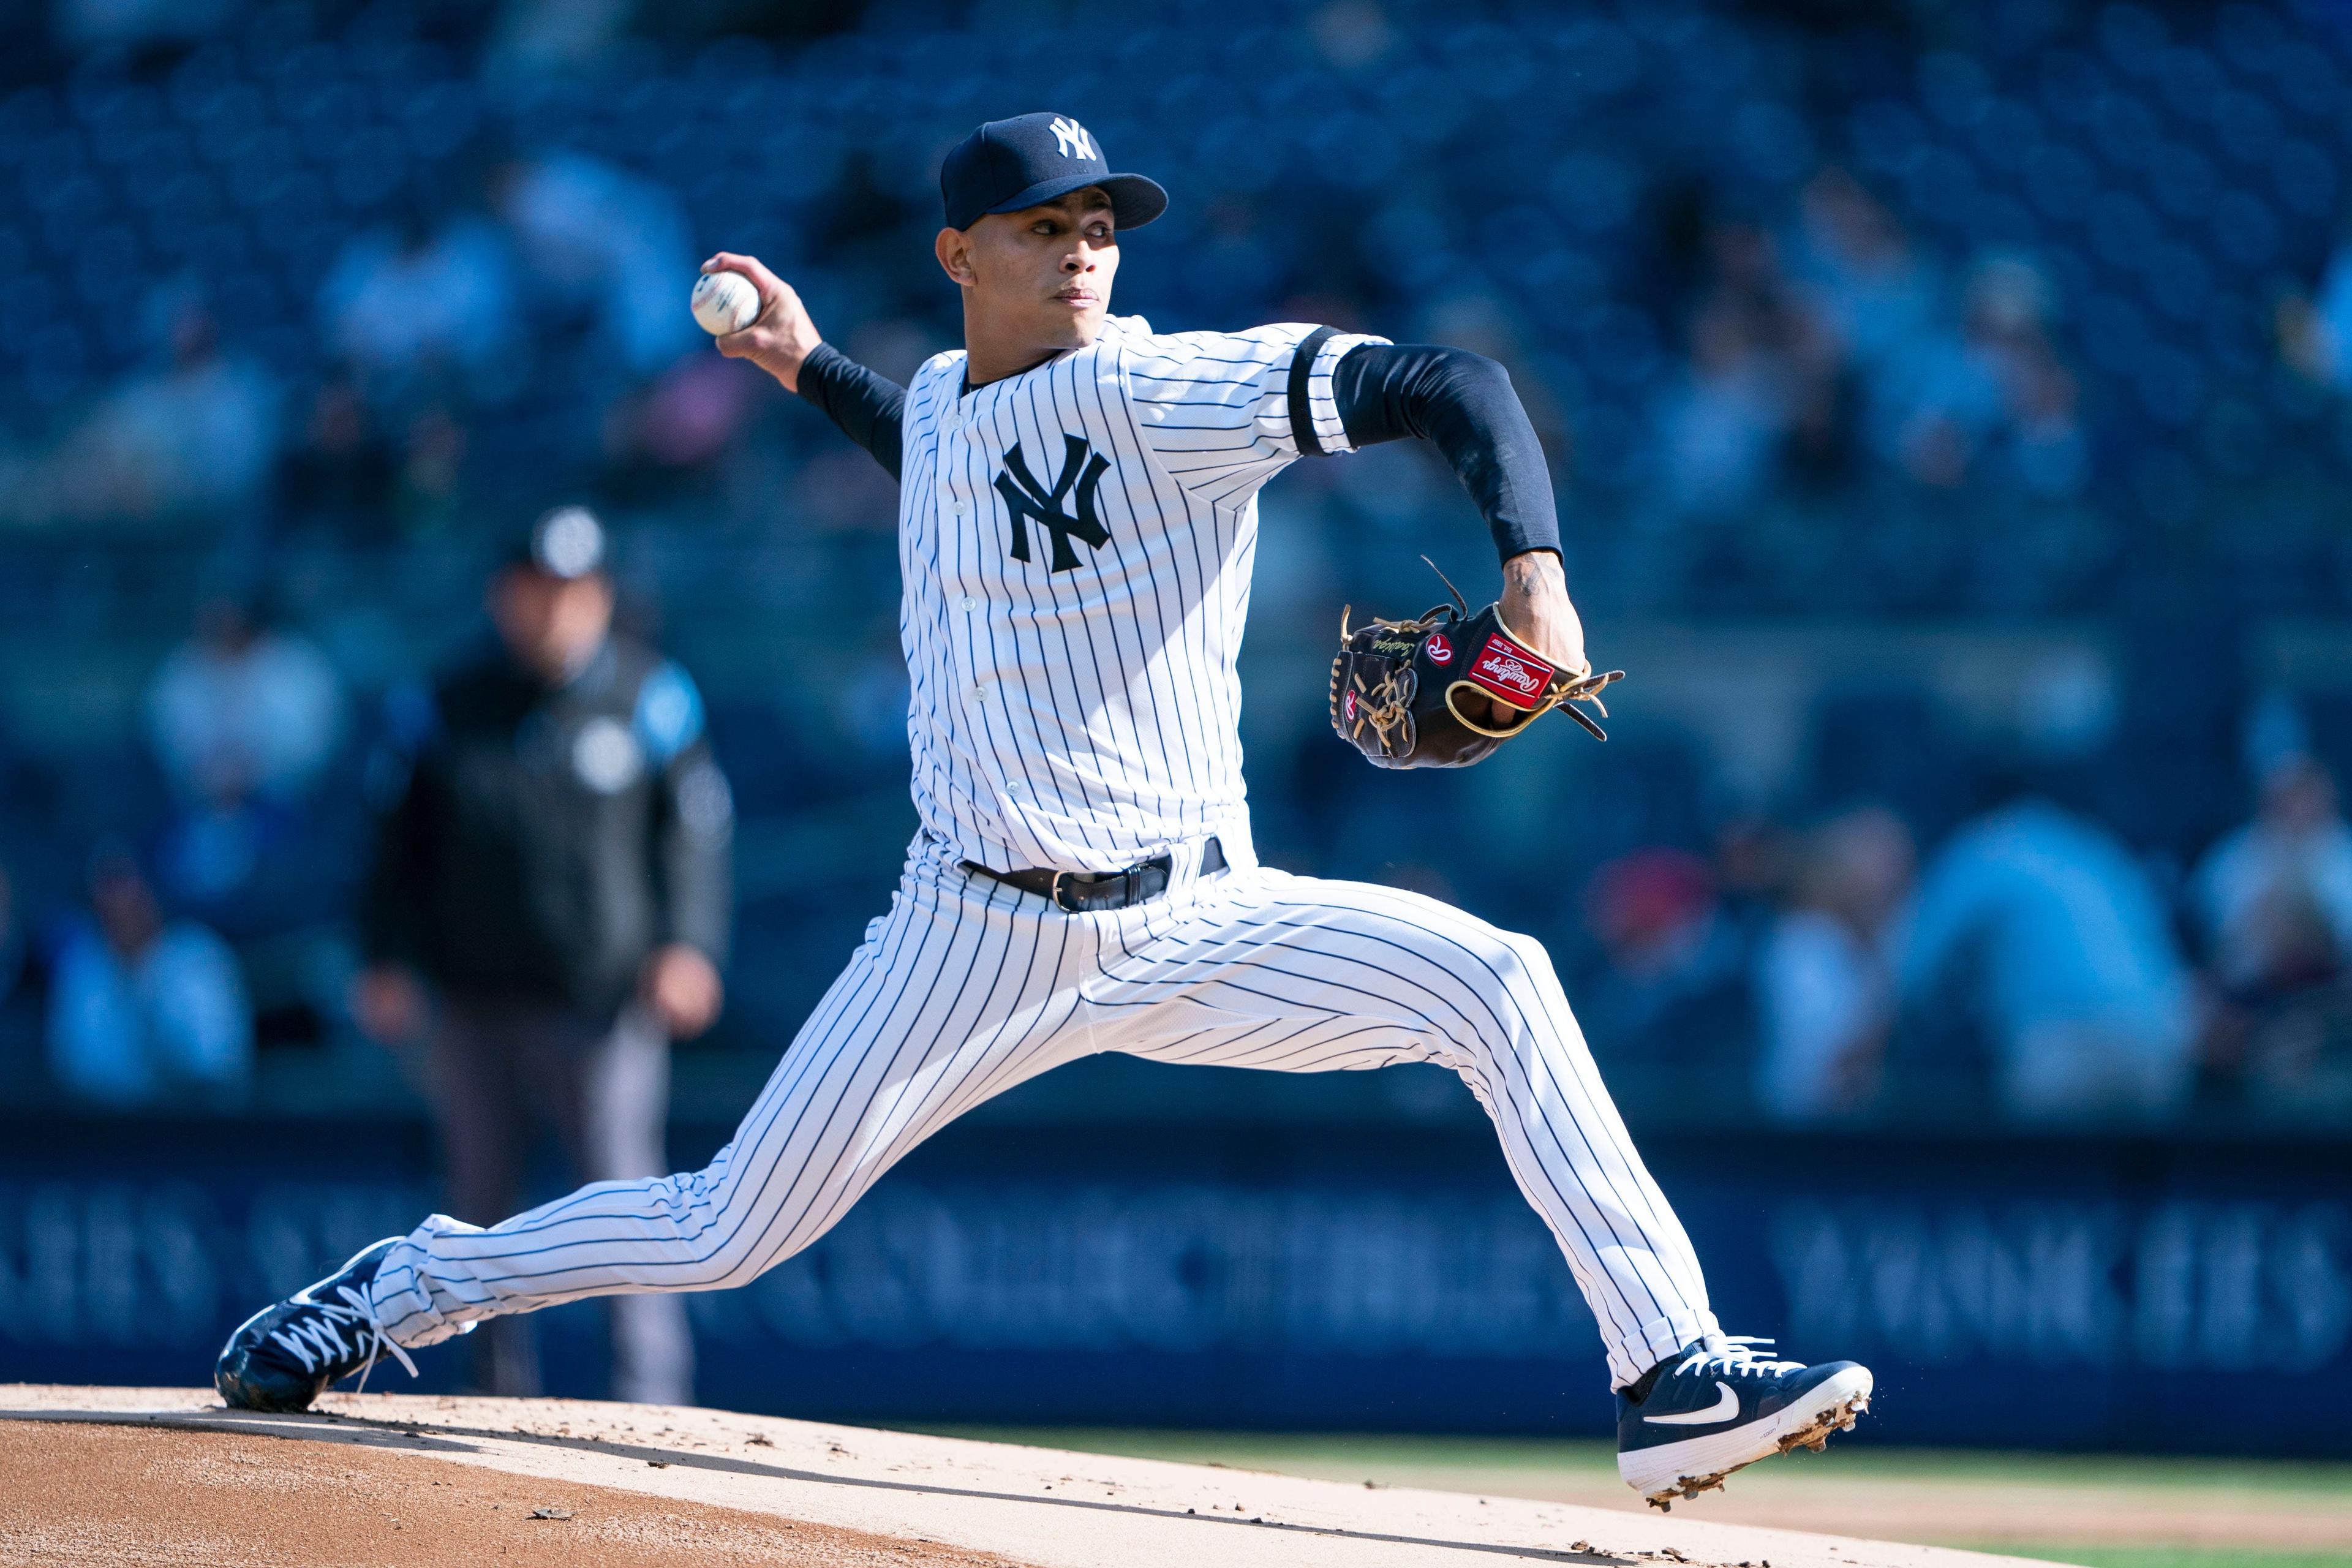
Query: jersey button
(967, 603)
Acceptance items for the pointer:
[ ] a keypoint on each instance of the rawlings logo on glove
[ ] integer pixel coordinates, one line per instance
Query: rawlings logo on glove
(1394, 699)
(1511, 672)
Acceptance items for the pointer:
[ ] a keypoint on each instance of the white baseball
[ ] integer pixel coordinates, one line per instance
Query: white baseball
(725, 302)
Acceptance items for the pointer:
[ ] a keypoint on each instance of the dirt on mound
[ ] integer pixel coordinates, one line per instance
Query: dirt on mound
(89, 1493)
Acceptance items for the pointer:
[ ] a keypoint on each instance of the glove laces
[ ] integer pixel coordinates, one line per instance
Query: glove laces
(1736, 1354)
(1386, 707)
(316, 1339)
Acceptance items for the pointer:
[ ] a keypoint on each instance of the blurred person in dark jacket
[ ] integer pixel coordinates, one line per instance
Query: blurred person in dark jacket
(547, 909)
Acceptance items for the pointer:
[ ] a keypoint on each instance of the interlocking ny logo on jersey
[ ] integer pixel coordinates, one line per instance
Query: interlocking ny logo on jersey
(1082, 468)
(1071, 140)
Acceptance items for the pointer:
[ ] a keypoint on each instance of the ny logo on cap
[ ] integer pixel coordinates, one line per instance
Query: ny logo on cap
(1070, 140)
(1082, 469)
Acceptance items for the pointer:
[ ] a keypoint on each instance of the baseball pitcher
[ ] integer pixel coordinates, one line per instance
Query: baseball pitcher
(1077, 520)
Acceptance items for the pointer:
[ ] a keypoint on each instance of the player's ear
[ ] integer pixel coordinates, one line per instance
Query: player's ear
(953, 247)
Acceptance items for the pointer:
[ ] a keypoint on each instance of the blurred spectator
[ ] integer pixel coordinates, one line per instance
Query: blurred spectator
(2275, 900)
(607, 245)
(1671, 1004)
(404, 300)
(1825, 978)
(144, 1009)
(2042, 927)
(241, 709)
(1995, 400)
(1865, 273)
(555, 869)
(198, 434)
(2009, 309)
(243, 719)
(1719, 430)
(1764, 382)
(2275, 896)
(343, 469)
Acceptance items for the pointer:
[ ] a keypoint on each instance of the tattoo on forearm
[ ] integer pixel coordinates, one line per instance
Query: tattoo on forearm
(1532, 570)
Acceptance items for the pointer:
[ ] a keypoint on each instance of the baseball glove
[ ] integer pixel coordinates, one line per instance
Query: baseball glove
(1399, 688)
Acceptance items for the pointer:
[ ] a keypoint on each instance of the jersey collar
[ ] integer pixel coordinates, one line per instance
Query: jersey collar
(1112, 328)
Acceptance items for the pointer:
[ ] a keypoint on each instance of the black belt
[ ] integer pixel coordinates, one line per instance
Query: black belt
(1081, 893)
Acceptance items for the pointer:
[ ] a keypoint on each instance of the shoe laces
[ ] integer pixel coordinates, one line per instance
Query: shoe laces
(1736, 1355)
(316, 1338)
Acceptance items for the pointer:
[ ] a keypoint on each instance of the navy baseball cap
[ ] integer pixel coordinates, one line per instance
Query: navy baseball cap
(1032, 159)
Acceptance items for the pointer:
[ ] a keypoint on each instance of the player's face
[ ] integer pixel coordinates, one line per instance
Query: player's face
(1044, 272)
(549, 625)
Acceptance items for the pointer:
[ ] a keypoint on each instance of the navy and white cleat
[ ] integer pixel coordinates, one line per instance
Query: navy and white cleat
(285, 1356)
(1717, 1405)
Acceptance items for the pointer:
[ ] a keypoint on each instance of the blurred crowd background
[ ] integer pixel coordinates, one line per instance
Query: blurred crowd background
(1947, 401)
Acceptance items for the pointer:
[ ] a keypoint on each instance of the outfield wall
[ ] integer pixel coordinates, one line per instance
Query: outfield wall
(2061, 1292)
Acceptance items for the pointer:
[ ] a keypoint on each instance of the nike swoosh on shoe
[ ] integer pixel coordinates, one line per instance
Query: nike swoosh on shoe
(1725, 1408)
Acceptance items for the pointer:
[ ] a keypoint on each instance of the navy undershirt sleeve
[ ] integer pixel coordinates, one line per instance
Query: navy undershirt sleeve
(1463, 403)
(868, 407)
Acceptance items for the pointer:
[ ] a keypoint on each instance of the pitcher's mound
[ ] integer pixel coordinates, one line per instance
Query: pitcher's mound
(96, 1475)
(114, 1494)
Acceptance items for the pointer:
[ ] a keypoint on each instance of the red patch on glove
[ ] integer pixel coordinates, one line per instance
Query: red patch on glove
(1513, 674)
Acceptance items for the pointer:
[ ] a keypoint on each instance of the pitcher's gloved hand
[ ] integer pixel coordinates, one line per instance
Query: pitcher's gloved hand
(1446, 689)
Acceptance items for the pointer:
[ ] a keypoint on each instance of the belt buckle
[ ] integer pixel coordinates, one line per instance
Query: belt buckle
(1072, 890)
(1121, 890)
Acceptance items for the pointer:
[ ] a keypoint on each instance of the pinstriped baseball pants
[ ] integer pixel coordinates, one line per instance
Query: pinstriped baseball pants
(968, 987)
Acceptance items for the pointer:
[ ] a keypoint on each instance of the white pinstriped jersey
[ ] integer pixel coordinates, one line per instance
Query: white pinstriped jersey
(1076, 544)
